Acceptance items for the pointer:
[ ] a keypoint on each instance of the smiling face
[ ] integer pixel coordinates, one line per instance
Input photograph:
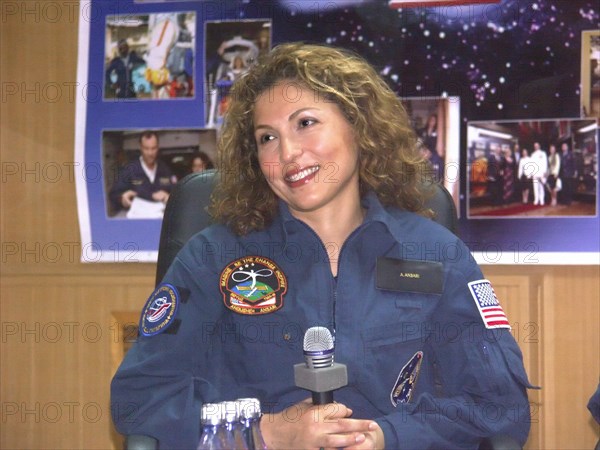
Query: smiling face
(306, 149)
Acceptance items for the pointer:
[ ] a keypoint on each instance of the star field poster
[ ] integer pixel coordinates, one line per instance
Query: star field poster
(504, 97)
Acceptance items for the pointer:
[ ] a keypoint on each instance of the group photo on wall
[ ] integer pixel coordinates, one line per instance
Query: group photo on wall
(532, 168)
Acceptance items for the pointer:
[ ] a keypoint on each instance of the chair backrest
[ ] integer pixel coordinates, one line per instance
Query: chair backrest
(186, 214)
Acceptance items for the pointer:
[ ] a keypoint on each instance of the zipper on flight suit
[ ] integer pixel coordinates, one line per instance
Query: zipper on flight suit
(334, 280)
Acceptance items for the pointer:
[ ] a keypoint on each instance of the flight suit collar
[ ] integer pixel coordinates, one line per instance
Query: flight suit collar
(375, 212)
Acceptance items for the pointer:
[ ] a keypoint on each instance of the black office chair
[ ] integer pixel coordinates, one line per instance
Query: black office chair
(186, 214)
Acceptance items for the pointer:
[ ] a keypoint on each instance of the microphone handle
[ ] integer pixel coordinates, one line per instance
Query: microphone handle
(322, 398)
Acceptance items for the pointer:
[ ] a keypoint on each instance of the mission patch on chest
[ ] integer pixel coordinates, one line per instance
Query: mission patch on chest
(253, 285)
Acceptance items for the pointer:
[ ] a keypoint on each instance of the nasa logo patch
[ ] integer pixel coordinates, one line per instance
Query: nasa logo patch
(159, 311)
(253, 285)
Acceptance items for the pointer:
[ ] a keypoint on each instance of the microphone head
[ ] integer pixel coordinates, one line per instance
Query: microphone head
(318, 348)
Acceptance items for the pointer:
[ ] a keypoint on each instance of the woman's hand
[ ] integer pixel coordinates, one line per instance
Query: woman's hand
(374, 440)
(308, 426)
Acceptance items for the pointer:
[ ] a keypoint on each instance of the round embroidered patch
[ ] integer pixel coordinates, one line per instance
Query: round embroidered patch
(253, 285)
(160, 309)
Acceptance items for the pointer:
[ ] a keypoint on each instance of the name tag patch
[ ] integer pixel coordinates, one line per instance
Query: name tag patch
(409, 276)
(160, 310)
(253, 285)
(407, 380)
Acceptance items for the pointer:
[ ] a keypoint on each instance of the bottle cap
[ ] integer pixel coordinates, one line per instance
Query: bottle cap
(249, 408)
(230, 411)
(210, 414)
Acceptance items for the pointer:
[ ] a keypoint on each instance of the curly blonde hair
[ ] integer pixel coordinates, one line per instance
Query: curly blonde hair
(390, 163)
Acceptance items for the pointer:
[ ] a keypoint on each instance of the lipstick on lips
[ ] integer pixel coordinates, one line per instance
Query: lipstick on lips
(299, 177)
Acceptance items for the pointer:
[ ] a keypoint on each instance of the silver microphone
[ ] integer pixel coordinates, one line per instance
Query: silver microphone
(318, 348)
(320, 374)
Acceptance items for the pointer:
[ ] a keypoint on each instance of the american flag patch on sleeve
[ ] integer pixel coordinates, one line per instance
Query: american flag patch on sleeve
(488, 305)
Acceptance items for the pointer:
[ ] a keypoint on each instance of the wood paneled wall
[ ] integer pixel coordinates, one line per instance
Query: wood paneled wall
(62, 320)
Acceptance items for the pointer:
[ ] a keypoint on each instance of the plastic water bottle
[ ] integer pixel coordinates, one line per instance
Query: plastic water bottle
(249, 409)
(233, 427)
(213, 430)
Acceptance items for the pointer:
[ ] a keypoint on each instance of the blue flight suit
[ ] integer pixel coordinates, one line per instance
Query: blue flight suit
(133, 177)
(470, 382)
(123, 69)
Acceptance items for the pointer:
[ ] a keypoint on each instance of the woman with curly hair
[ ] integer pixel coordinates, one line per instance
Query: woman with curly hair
(388, 162)
(318, 208)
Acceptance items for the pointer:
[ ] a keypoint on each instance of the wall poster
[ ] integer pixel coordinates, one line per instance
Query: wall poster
(504, 98)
